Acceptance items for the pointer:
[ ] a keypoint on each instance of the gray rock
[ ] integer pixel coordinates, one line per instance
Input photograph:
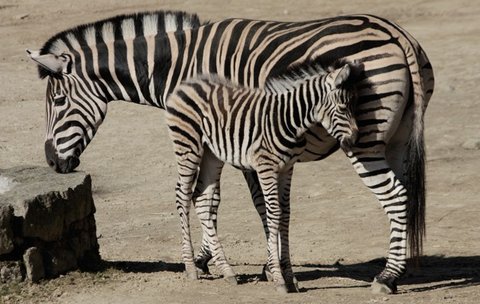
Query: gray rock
(48, 201)
(11, 272)
(6, 229)
(33, 261)
(61, 260)
(51, 212)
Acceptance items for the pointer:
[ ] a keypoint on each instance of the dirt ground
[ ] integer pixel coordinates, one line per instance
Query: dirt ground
(339, 234)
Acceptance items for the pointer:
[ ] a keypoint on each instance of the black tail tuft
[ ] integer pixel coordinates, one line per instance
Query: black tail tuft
(415, 184)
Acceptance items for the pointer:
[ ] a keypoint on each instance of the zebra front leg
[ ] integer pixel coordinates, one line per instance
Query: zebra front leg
(285, 181)
(392, 195)
(207, 199)
(251, 178)
(268, 179)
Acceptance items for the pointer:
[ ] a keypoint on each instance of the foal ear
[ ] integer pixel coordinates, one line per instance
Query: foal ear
(51, 62)
(341, 75)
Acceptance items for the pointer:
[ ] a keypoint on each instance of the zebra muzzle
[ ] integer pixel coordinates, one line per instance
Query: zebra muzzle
(60, 165)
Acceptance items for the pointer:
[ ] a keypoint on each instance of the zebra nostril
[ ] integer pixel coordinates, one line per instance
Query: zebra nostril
(73, 163)
(50, 154)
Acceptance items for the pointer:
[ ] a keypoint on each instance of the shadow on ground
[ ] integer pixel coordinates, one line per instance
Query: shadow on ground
(433, 273)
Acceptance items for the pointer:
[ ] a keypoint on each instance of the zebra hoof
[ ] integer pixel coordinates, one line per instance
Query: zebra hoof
(281, 288)
(202, 266)
(191, 272)
(266, 274)
(191, 275)
(380, 286)
(232, 280)
(293, 286)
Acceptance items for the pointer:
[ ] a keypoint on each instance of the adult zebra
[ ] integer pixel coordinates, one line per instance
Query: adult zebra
(143, 57)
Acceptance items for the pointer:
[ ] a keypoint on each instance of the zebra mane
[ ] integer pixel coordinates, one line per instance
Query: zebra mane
(290, 78)
(126, 26)
(281, 83)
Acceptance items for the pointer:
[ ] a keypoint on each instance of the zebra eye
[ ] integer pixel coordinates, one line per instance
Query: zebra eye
(59, 100)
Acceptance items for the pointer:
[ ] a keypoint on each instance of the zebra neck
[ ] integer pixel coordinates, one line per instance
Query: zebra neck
(299, 111)
(144, 70)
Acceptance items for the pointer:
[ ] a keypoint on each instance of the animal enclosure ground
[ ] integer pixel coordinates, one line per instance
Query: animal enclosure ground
(339, 233)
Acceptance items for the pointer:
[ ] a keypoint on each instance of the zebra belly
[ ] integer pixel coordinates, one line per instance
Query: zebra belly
(239, 160)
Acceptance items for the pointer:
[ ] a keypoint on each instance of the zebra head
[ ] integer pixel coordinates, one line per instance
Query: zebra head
(74, 110)
(339, 120)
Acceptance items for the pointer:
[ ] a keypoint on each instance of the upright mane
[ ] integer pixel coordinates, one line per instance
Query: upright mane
(289, 79)
(118, 27)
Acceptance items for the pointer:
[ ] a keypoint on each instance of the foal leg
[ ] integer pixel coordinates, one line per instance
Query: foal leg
(207, 199)
(259, 202)
(268, 178)
(187, 172)
(284, 184)
(205, 255)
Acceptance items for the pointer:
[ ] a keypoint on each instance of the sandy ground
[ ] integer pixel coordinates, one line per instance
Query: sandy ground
(339, 233)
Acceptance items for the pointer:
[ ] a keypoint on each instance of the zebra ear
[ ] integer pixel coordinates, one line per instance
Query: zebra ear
(51, 62)
(341, 75)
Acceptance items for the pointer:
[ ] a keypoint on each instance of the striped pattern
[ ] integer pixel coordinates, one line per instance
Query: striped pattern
(256, 130)
(394, 91)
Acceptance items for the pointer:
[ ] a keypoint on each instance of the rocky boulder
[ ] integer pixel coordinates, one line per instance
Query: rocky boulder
(47, 224)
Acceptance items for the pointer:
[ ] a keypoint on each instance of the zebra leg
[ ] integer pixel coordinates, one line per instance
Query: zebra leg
(268, 179)
(187, 172)
(257, 197)
(205, 255)
(377, 175)
(259, 202)
(285, 181)
(207, 199)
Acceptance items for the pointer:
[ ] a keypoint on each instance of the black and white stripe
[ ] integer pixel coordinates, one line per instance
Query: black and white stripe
(212, 121)
(142, 58)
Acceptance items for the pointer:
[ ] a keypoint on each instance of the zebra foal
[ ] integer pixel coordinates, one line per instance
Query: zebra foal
(212, 122)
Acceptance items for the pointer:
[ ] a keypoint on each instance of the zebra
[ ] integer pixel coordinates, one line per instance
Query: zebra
(142, 58)
(212, 122)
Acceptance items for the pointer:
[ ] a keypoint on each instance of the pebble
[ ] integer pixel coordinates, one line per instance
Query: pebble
(22, 16)
(472, 144)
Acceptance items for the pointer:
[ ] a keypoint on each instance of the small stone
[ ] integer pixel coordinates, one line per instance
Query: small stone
(22, 16)
(6, 231)
(33, 260)
(11, 272)
(472, 144)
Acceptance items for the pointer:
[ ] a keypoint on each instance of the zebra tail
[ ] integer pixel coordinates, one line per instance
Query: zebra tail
(415, 167)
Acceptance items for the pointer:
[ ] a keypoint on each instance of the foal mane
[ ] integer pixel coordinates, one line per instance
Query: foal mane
(289, 79)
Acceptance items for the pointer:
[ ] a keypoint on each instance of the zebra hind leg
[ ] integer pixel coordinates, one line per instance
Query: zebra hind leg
(392, 195)
(187, 172)
(207, 199)
(203, 257)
